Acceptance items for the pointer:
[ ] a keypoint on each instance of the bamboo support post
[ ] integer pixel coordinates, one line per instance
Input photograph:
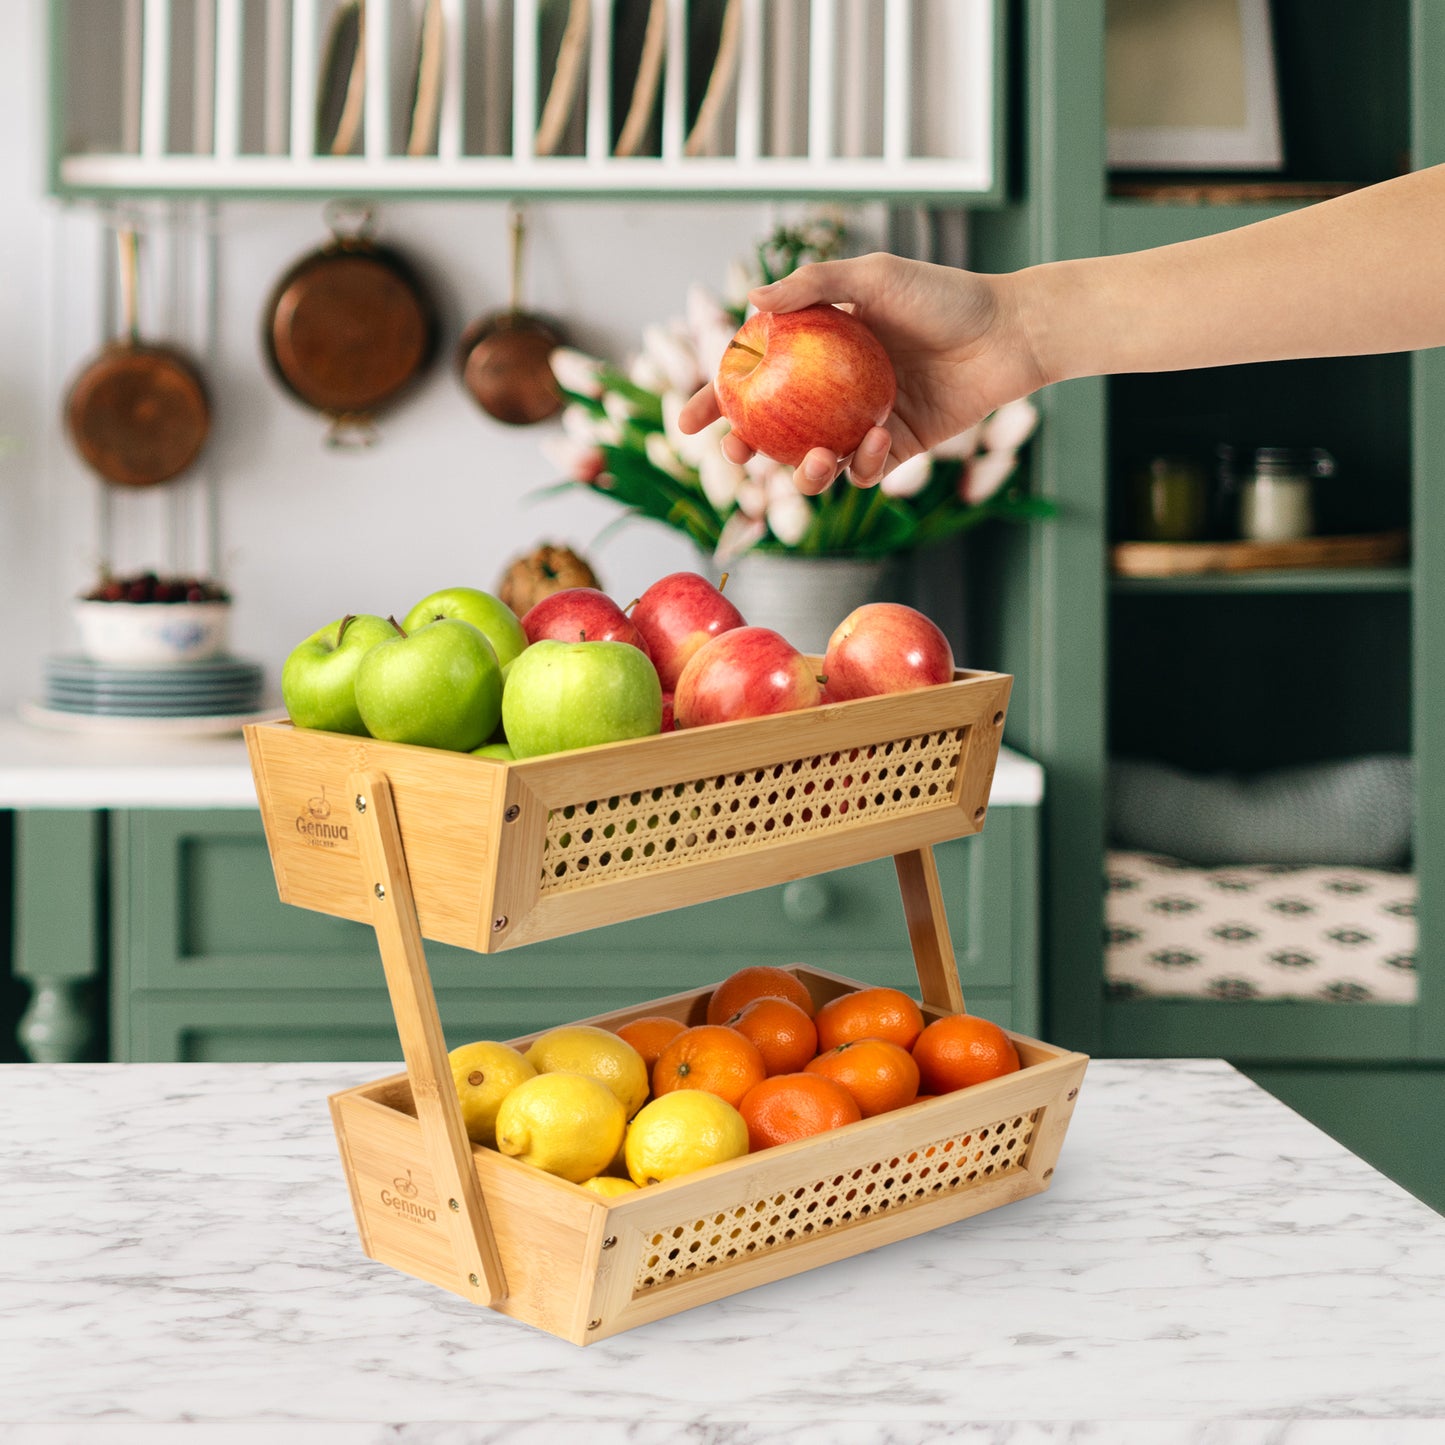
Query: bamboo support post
(438, 1111)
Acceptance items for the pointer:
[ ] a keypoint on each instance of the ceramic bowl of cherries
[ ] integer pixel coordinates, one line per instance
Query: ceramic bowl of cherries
(148, 620)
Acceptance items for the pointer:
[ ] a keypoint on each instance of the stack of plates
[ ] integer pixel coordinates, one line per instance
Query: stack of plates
(214, 688)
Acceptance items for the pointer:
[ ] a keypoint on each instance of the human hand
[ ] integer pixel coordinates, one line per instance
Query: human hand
(954, 337)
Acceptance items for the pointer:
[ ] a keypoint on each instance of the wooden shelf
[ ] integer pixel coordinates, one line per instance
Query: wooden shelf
(1159, 560)
(1289, 580)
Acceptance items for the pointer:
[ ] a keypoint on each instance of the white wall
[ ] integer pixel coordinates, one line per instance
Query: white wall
(308, 533)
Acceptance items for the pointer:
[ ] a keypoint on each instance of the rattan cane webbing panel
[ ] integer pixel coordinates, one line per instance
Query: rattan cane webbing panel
(642, 832)
(820, 1206)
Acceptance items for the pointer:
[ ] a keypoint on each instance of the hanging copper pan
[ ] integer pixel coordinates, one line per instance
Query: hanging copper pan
(348, 329)
(138, 414)
(505, 358)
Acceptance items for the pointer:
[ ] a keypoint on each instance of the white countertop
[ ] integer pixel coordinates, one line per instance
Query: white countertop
(41, 769)
(180, 1262)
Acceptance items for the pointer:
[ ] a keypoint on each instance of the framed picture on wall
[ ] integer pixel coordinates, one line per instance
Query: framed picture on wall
(1191, 86)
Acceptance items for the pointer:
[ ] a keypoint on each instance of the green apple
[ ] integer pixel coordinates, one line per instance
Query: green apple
(501, 751)
(489, 615)
(439, 686)
(563, 695)
(318, 679)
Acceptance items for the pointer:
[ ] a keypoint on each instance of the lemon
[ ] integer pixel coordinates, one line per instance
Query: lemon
(598, 1053)
(683, 1131)
(609, 1188)
(567, 1124)
(485, 1074)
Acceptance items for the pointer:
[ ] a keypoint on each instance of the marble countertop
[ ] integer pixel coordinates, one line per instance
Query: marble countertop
(179, 1262)
(40, 769)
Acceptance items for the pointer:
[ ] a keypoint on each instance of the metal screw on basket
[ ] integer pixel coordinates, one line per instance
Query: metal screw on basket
(1072, 1094)
(474, 1279)
(609, 1241)
(498, 924)
(593, 1324)
(454, 1206)
(360, 803)
(512, 813)
(380, 890)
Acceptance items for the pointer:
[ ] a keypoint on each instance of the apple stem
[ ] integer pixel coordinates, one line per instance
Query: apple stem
(821, 679)
(632, 604)
(748, 349)
(345, 623)
(722, 581)
(400, 629)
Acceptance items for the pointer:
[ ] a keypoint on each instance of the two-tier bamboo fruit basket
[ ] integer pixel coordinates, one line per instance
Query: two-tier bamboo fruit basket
(488, 855)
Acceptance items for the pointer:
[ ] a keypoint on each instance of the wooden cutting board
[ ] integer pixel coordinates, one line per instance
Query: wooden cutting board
(1177, 559)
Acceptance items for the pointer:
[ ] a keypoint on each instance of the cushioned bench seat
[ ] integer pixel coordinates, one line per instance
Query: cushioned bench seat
(1258, 931)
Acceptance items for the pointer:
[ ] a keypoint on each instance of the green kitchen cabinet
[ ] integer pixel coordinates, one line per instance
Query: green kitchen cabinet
(1193, 671)
(207, 963)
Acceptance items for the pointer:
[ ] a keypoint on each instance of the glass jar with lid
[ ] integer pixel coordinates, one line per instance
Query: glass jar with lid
(1276, 492)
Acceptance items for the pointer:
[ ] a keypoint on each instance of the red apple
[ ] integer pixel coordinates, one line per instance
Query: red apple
(676, 615)
(578, 614)
(793, 380)
(747, 672)
(885, 647)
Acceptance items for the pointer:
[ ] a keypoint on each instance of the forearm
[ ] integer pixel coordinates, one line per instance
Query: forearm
(1361, 273)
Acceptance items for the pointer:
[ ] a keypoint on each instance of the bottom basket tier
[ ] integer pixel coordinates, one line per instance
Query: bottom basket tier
(583, 1267)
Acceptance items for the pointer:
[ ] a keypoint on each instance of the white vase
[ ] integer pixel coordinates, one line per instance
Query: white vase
(804, 598)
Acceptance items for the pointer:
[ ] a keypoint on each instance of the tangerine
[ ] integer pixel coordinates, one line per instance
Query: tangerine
(710, 1057)
(758, 980)
(878, 1073)
(795, 1106)
(650, 1035)
(959, 1050)
(784, 1034)
(870, 1013)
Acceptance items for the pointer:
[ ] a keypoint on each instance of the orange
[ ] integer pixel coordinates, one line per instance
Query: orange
(795, 1106)
(960, 1050)
(879, 1074)
(784, 1034)
(710, 1057)
(870, 1013)
(759, 980)
(650, 1035)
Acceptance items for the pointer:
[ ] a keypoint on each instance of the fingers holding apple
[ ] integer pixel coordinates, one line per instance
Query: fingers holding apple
(792, 383)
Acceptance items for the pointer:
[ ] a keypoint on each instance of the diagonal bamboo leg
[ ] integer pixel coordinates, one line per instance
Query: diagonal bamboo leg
(928, 929)
(398, 934)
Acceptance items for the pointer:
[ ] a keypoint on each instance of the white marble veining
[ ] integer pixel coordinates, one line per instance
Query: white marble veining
(40, 769)
(179, 1261)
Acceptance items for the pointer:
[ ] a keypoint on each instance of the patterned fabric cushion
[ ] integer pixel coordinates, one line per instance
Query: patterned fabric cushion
(1267, 931)
(1357, 812)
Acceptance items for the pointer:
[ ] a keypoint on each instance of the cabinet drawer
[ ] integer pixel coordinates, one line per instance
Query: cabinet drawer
(197, 909)
(354, 1025)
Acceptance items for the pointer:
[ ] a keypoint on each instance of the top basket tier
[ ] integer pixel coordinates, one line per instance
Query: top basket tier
(502, 854)
(516, 97)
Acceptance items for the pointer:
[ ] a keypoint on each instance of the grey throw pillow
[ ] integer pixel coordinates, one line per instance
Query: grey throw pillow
(1356, 812)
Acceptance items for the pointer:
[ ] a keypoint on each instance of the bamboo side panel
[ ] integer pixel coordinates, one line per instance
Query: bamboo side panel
(448, 808)
(506, 854)
(585, 1268)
